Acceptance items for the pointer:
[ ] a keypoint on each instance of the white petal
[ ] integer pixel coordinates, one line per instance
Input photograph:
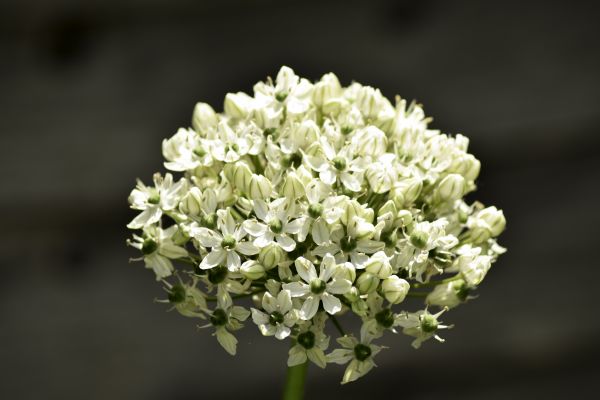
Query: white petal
(306, 269)
(148, 217)
(320, 232)
(267, 329)
(282, 332)
(254, 228)
(264, 240)
(328, 267)
(350, 181)
(259, 317)
(317, 356)
(339, 286)
(213, 259)
(295, 226)
(269, 303)
(296, 289)
(296, 356)
(286, 242)
(310, 307)
(233, 261)
(340, 356)
(331, 304)
(328, 176)
(208, 238)
(284, 298)
(247, 248)
(261, 209)
(161, 266)
(227, 340)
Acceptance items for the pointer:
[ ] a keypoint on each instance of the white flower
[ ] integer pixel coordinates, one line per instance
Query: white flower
(276, 226)
(186, 150)
(280, 315)
(164, 196)
(158, 248)
(340, 166)
(311, 343)
(318, 288)
(225, 245)
(422, 325)
(226, 320)
(359, 354)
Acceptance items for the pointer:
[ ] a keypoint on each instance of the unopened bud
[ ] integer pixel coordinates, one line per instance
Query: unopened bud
(270, 256)
(367, 283)
(451, 188)
(260, 187)
(252, 270)
(395, 289)
(204, 117)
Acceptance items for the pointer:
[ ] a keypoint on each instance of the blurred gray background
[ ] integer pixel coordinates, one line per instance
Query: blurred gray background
(89, 90)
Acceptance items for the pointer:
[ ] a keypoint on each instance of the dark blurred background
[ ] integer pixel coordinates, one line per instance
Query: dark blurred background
(90, 88)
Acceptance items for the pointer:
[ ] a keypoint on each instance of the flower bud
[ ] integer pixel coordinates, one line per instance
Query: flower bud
(394, 289)
(237, 105)
(466, 165)
(370, 102)
(367, 283)
(473, 271)
(419, 238)
(204, 117)
(494, 218)
(252, 270)
(260, 187)
(448, 295)
(406, 191)
(292, 187)
(326, 89)
(352, 295)
(270, 256)
(242, 175)
(451, 188)
(346, 271)
(405, 218)
(334, 106)
(370, 141)
(191, 203)
(379, 265)
(388, 207)
(304, 134)
(244, 206)
(266, 117)
(380, 177)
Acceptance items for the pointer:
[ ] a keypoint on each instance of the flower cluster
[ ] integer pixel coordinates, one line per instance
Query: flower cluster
(315, 201)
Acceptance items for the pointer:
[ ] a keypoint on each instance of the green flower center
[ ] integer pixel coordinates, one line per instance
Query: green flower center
(317, 286)
(276, 318)
(281, 96)
(339, 163)
(385, 318)
(429, 323)
(217, 274)
(154, 199)
(362, 352)
(177, 294)
(419, 239)
(347, 244)
(275, 225)
(219, 317)
(292, 160)
(209, 221)
(149, 246)
(315, 210)
(307, 340)
(346, 130)
(200, 151)
(228, 242)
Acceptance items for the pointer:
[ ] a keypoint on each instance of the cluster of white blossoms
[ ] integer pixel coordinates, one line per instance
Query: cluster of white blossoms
(316, 201)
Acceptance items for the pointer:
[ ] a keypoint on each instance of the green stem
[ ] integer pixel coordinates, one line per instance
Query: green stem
(238, 296)
(435, 283)
(337, 325)
(294, 382)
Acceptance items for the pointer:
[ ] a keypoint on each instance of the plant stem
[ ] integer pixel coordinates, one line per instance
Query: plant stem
(294, 382)
(337, 325)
